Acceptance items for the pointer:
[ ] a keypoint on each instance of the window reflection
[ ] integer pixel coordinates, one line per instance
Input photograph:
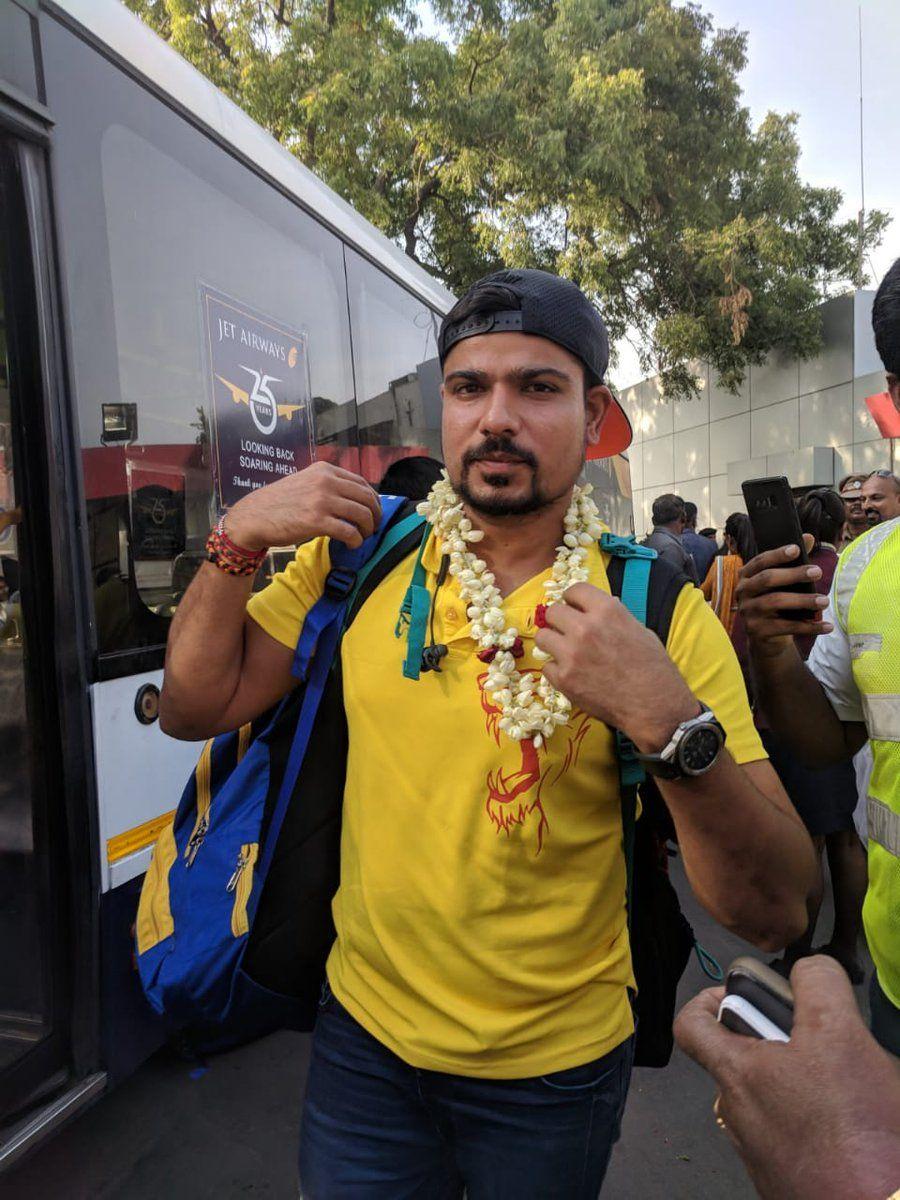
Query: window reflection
(397, 372)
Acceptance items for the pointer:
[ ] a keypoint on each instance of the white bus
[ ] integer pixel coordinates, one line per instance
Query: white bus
(185, 312)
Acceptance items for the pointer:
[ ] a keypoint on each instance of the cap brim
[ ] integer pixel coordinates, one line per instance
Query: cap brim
(615, 434)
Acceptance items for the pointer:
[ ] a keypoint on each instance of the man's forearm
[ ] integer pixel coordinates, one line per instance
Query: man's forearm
(749, 863)
(795, 703)
(205, 652)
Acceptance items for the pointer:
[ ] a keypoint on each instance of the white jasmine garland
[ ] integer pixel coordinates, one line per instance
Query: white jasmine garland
(530, 709)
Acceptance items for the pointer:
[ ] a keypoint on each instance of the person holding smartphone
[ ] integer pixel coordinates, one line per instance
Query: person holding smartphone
(817, 1116)
(849, 688)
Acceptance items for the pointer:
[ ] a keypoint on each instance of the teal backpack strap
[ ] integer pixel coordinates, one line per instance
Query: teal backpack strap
(414, 612)
(636, 577)
(635, 589)
(395, 534)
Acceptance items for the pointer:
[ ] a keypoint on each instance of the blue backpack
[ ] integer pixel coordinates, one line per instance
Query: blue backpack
(201, 893)
(234, 924)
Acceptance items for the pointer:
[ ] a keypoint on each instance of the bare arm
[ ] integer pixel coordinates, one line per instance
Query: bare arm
(749, 861)
(790, 695)
(222, 669)
(799, 709)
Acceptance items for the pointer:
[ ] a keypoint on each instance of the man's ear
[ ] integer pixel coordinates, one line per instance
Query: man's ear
(893, 386)
(596, 402)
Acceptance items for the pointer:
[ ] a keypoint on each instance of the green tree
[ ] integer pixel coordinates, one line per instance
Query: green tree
(604, 139)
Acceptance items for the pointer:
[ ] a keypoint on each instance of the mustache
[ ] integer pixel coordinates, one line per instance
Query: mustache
(498, 445)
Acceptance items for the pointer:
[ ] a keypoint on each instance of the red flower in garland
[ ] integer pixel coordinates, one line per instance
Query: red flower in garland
(540, 616)
(517, 649)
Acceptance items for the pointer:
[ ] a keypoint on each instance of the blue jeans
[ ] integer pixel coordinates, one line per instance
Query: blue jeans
(375, 1128)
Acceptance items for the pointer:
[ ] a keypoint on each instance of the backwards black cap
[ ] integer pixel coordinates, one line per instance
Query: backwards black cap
(553, 308)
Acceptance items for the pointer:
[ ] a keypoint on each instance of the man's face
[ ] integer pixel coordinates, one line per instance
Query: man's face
(516, 421)
(853, 506)
(881, 498)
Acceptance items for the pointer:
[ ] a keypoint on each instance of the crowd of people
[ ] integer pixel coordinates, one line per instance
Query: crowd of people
(827, 798)
(821, 1115)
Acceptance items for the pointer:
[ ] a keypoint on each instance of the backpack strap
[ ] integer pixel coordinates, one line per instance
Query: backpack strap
(399, 542)
(652, 590)
(414, 610)
(649, 588)
(316, 648)
(633, 590)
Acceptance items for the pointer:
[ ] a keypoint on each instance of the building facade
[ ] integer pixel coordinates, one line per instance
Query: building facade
(806, 420)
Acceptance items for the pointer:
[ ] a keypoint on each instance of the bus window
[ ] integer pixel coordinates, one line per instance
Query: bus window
(397, 372)
(197, 294)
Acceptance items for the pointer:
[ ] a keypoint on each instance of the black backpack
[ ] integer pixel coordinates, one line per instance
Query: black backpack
(661, 936)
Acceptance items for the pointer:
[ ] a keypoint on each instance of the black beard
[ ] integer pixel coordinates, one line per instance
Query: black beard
(500, 505)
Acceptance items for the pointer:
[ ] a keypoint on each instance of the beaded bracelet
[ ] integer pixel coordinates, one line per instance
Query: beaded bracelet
(225, 554)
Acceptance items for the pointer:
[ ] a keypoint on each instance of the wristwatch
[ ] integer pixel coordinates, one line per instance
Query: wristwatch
(692, 750)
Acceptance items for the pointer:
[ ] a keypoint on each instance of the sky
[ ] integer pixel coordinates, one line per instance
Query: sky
(803, 57)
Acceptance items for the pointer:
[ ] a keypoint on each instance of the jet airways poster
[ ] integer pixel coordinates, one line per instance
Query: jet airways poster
(262, 418)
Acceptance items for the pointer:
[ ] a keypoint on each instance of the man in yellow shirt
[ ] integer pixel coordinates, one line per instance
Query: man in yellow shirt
(476, 1033)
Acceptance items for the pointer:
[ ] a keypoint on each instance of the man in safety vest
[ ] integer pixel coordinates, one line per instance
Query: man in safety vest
(849, 688)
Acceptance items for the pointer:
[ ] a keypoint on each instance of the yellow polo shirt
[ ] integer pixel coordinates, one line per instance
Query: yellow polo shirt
(481, 925)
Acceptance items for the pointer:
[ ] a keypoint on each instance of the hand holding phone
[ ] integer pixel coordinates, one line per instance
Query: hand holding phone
(819, 1117)
(773, 516)
(776, 595)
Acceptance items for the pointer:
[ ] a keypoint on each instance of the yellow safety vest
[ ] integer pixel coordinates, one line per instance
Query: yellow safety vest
(866, 600)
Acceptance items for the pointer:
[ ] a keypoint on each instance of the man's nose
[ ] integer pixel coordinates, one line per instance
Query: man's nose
(500, 413)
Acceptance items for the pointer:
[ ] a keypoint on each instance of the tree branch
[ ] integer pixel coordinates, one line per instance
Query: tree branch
(214, 34)
(423, 193)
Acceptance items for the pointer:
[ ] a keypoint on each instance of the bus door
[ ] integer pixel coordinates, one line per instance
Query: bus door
(36, 944)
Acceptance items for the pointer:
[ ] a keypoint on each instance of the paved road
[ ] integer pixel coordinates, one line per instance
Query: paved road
(171, 1133)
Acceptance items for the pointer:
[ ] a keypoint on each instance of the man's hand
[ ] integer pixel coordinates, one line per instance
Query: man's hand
(760, 602)
(322, 500)
(817, 1116)
(614, 668)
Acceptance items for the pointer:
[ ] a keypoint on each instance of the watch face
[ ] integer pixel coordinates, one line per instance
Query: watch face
(700, 748)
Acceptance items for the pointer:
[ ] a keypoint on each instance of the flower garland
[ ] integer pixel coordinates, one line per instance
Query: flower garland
(530, 709)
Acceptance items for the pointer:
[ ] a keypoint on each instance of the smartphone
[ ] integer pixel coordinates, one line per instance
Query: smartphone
(773, 516)
(758, 1001)
(740, 1016)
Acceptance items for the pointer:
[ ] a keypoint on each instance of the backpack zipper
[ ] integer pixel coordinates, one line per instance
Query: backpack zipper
(196, 839)
(241, 883)
(203, 775)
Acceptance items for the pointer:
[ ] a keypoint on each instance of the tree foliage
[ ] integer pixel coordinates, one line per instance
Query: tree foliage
(604, 139)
